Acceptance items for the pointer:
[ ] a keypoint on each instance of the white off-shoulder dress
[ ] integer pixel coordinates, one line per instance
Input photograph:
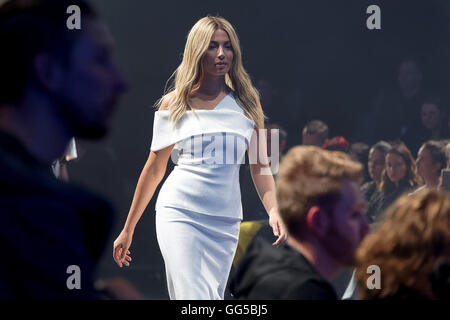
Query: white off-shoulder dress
(198, 209)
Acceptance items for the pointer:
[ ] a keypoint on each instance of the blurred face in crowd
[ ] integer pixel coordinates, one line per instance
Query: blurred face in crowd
(92, 83)
(409, 78)
(395, 167)
(426, 168)
(347, 225)
(376, 164)
(431, 116)
(218, 58)
(312, 139)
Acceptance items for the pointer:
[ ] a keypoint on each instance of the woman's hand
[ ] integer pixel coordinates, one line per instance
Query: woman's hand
(278, 227)
(120, 248)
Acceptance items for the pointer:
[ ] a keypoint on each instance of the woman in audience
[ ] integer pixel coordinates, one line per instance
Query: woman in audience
(430, 161)
(376, 164)
(398, 177)
(434, 119)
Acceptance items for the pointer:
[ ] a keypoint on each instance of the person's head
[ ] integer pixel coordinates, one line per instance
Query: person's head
(43, 61)
(410, 247)
(431, 159)
(210, 41)
(400, 168)
(315, 133)
(376, 163)
(320, 201)
(410, 76)
(433, 115)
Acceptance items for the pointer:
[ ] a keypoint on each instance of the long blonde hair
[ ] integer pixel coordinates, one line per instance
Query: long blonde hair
(189, 74)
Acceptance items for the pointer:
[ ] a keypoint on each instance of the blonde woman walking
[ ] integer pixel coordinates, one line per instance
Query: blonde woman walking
(211, 115)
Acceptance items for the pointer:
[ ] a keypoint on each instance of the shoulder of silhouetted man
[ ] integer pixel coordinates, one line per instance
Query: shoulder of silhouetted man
(47, 227)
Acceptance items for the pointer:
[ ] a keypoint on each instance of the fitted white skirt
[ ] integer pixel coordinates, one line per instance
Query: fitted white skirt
(198, 251)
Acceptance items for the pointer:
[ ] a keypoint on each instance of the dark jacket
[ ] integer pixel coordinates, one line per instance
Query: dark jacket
(46, 226)
(381, 201)
(369, 189)
(266, 272)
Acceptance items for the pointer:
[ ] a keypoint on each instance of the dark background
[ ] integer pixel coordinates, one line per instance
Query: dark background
(317, 60)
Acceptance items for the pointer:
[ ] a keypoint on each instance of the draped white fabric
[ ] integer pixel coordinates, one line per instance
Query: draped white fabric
(198, 251)
(211, 145)
(226, 117)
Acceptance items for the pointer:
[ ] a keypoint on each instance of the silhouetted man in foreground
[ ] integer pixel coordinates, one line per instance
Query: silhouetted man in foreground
(55, 83)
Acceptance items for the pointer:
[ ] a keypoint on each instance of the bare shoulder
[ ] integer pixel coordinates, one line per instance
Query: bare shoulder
(165, 101)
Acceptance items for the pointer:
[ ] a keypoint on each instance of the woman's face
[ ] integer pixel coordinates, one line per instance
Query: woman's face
(395, 167)
(425, 165)
(376, 164)
(430, 116)
(218, 58)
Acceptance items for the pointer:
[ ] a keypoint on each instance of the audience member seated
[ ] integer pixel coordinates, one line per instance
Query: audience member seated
(396, 110)
(398, 177)
(434, 118)
(323, 208)
(315, 133)
(376, 165)
(430, 161)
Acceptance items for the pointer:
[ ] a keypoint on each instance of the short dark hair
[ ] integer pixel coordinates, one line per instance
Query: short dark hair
(316, 126)
(28, 27)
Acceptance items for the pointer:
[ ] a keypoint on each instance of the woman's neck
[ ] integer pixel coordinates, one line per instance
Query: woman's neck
(211, 86)
(401, 183)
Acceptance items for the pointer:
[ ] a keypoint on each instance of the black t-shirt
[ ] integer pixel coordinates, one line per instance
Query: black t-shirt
(271, 273)
(47, 226)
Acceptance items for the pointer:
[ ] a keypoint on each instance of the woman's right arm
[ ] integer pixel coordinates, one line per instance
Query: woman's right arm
(151, 176)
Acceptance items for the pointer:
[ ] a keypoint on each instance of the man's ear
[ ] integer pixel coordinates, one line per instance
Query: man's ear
(317, 221)
(48, 72)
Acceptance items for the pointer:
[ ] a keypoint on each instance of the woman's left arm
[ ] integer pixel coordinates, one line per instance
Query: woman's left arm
(264, 183)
